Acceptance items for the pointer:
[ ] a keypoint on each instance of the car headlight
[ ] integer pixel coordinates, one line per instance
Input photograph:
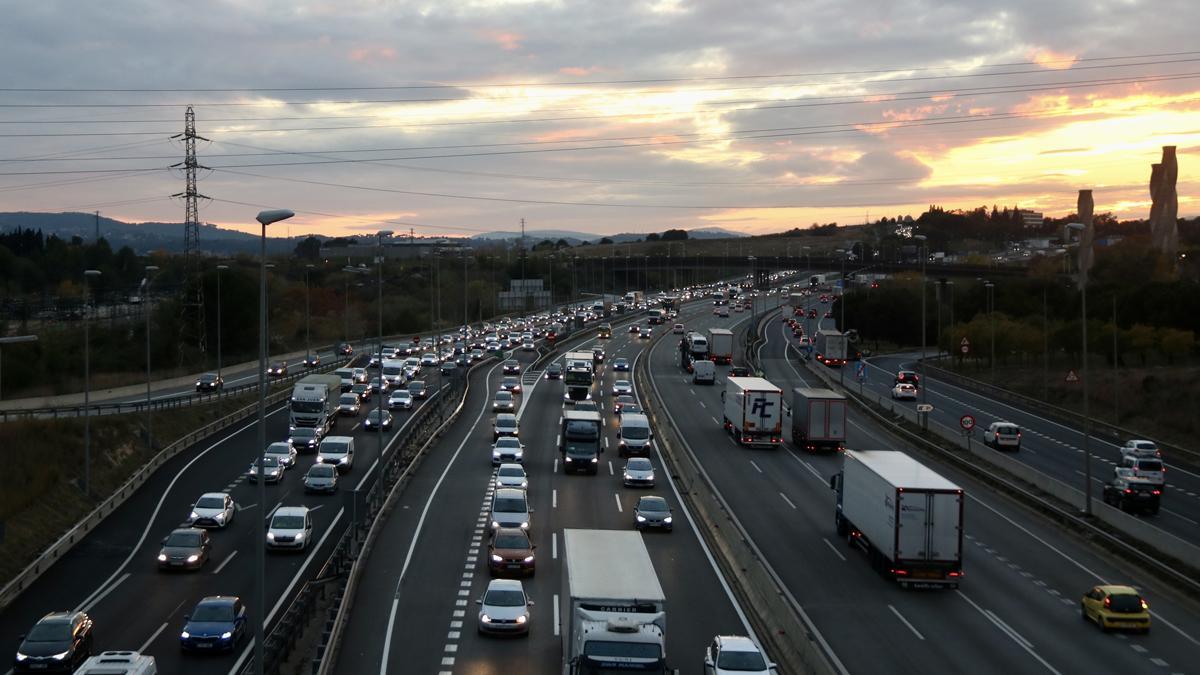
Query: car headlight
(641, 519)
(191, 558)
(270, 536)
(220, 517)
(193, 516)
(667, 519)
(162, 557)
(484, 618)
(495, 525)
(522, 619)
(529, 559)
(185, 635)
(595, 459)
(525, 525)
(197, 383)
(628, 477)
(226, 635)
(299, 536)
(496, 558)
(568, 460)
(21, 657)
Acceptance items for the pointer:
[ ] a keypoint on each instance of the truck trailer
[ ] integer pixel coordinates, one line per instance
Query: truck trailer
(720, 345)
(615, 617)
(831, 348)
(906, 518)
(818, 419)
(314, 401)
(753, 411)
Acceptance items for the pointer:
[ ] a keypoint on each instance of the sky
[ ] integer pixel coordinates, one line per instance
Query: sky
(459, 117)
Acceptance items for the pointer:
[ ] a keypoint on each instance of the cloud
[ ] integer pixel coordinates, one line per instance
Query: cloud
(507, 41)
(1052, 60)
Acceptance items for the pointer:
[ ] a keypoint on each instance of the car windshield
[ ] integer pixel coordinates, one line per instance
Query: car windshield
(402, 395)
(1125, 602)
(625, 399)
(507, 443)
(213, 612)
(509, 505)
(349, 399)
(652, 505)
(269, 461)
(374, 415)
(512, 541)
(504, 598)
(620, 362)
(1149, 465)
(333, 448)
(752, 661)
(279, 449)
(50, 631)
(639, 464)
(510, 381)
(322, 470)
(511, 472)
(182, 539)
(506, 424)
(554, 368)
(631, 408)
(287, 522)
(208, 377)
(416, 385)
(503, 396)
(601, 649)
(635, 433)
(210, 503)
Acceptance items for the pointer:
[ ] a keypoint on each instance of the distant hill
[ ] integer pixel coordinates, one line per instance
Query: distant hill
(142, 237)
(574, 238)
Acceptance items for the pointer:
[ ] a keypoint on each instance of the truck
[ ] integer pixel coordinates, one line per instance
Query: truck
(831, 347)
(657, 316)
(818, 419)
(795, 306)
(670, 303)
(753, 411)
(615, 614)
(578, 375)
(906, 518)
(314, 402)
(720, 345)
(579, 439)
(816, 280)
(697, 346)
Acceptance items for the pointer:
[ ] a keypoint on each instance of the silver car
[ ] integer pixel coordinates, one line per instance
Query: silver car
(507, 449)
(212, 509)
(291, 527)
(402, 399)
(504, 608)
(510, 508)
(639, 472)
(349, 404)
(321, 478)
(271, 470)
(284, 452)
(622, 387)
(511, 475)
(504, 402)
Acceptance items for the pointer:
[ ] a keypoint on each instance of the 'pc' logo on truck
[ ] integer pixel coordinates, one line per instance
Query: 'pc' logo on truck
(760, 407)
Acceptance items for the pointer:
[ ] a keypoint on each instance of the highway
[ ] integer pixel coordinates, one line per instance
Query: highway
(414, 611)
(112, 574)
(1017, 609)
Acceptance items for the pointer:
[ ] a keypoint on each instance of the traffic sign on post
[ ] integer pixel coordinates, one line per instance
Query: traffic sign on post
(965, 345)
(1071, 376)
(924, 407)
(966, 422)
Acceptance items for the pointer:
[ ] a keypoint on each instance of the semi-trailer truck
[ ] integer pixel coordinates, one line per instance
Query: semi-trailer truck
(753, 411)
(818, 419)
(615, 618)
(905, 517)
(578, 374)
(720, 345)
(314, 401)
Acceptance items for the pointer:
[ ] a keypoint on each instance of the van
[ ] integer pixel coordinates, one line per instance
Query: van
(393, 372)
(337, 450)
(704, 372)
(634, 435)
(347, 377)
(290, 527)
(1002, 435)
(119, 663)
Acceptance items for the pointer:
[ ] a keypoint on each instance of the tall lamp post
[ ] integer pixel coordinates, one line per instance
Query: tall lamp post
(220, 268)
(379, 298)
(87, 384)
(16, 339)
(1087, 417)
(991, 287)
(264, 218)
(150, 270)
(307, 318)
(924, 383)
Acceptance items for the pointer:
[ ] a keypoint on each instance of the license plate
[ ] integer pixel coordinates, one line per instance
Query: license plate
(203, 645)
(927, 574)
(513, 566)
(37, 666)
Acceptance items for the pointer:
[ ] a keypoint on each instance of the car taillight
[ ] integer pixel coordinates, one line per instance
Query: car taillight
(955, 575)
(1128, 491)
(1157, 492)
(900, 573)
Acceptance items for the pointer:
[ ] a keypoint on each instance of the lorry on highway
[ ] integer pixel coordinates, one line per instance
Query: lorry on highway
(614, 618)
(818, 419)
(816, 280)
(720, 345)
(657, 316)
(579, 439)
(697, 346)
(905, 517)
(314, 402)
(794, 306)
(753, 411)
(578, 374)
(831, 347)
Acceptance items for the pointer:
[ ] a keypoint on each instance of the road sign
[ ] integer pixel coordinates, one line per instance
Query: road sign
(1071, 376)
(924, 407)
(966, 422)
(966, 349)
(965, 345)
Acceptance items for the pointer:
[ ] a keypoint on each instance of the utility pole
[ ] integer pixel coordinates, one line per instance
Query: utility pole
(524, 288)
(193, 324)
(97, 226)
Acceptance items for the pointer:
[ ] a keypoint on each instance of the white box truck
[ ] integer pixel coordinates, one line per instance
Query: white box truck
(906, 518)
(615, 617)
(314, 402)
(818, 419)
(794, 306)
(753, 411)
(720, 345)
(831, 348)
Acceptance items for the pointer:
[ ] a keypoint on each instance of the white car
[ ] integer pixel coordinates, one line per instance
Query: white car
(639, 472)
(622, 387)
(512, 476)
(1002, 435)
(1140, 448)
(504, 608)
(401, 398)
(735, 654)
(678, 329)
(213, 509)
(528, 346)
(284, 452)
(291, 527)
(429, 360)
(904, 391)
(507, 449)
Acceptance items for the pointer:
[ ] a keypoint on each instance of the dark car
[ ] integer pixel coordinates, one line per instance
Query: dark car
(305, 439)
(554, 371)
(908, 377)
(622, 401)
(512, 367)
(321, 478)
(652, 512)
(621, 365)
(217, 623)
(373, 417)
(210, 382)
(278, 369)
(812, 313)
(511, 384)
(186, 548)
(631, 409)
(634, 329)
(598, 354)
(740, 371)
(57, 643)
(312, 361)
(345, 349)
(510, 553)
(363, 390)
(1133, 495)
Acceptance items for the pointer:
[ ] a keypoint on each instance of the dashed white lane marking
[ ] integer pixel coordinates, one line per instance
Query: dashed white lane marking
(610, 468)
(755, 466)
(557, 619)
(834, 549)
(618, 498)
(554, 498)
(148, 642)
(223, 563)
(554, 545)
(789, 502)
(905, 621)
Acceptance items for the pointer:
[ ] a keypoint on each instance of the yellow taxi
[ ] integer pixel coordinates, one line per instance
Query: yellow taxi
(1116, 607)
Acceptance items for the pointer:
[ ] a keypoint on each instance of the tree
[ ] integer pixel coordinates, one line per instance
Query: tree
(604, 240)
(562, 243)
(675, 235)
(653, 236)
(1142, 338)
(308, 249)
(1175, 343)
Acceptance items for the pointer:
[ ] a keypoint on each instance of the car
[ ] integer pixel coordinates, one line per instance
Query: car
(1146, 468)
(463, 361)
(217, 623)
(378, 418)
(512, 367)
(804, 341)
(345, 349)
(428, 360)
(677, 329)
(504, 608)
(272, 470)
(290, 528)
(312, 361)
(622, 387)
(652, 511)
(634, 330)
(349, 404)
(1132, 494)
(477, 354)
(510, 508)
(278, 369)
(598, 354)
(1114, 606)
(401, 398)
(722, 312)
(554, 371)
(1140, 448)
(738, 308)
(507, 449)
(495, 347)
(282, 451)
(186, 548)
(829, 314)
(622, 401)
(505, 424)
(338, 451)
(305, 439)
(740, 371)
(510, 553)
(1002, 435)
(377, 385)
(908, 376)
(904, 391)
(418, 389)
(362, 391)
(360, 375)
(503, 402)
(321, 478)
(210, 382)
(58, 642)
(621, 364)
(512, 384)
(639, 472)
(728, 654)
(511, 475)
(812, 313)
(212, 509)
(646, 334)
(631, 408)
(448, 367)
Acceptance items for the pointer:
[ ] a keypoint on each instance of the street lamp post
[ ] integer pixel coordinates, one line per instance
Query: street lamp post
(87, 385)
(265, 218)
(991, 287)
(16, 339)
(220, 268)
(150, 270)
(307, 318)
(379, 299)
(924, 382)
(1087, 417)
